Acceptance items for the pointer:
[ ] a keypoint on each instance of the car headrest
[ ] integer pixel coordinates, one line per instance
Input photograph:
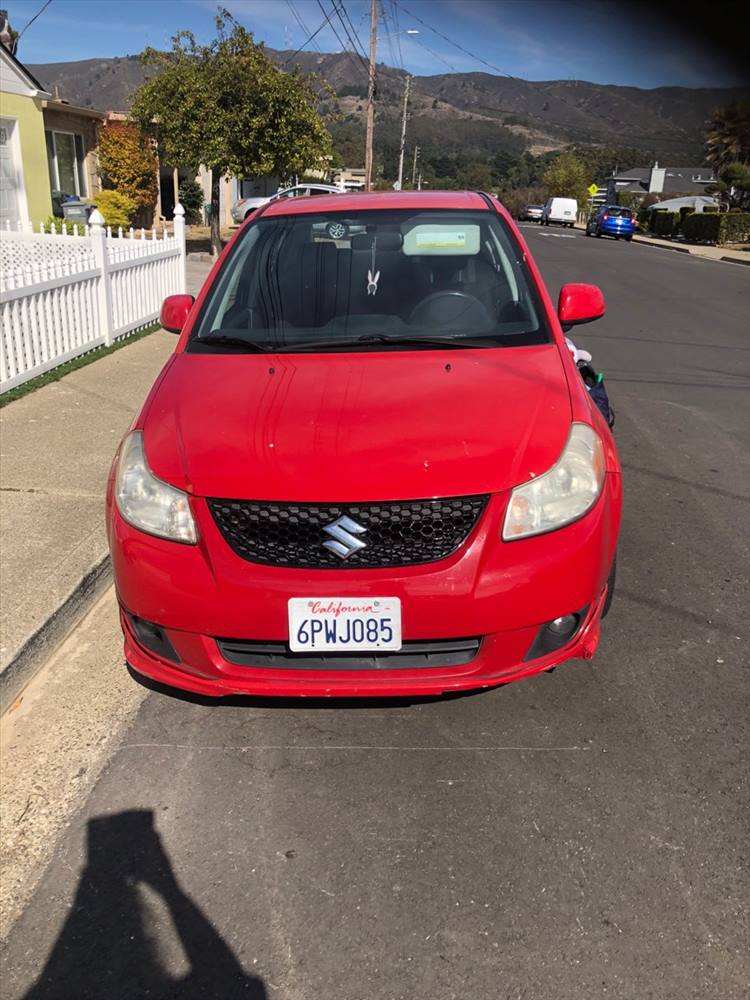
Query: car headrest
(386, 241)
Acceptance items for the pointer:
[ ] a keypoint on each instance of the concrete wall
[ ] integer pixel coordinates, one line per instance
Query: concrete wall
(27, 112)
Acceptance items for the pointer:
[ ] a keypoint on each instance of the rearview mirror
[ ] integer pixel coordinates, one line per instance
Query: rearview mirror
(579, 304)
(175, 310)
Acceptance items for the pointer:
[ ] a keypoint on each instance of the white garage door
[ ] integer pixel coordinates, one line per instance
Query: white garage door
(12, 195)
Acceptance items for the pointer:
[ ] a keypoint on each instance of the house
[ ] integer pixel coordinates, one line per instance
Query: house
(660, 180)
(46, 146)
(349, 178)
(25, 194)
(72, 134)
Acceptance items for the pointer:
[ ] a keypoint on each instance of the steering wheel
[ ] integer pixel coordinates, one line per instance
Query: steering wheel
(448, 307)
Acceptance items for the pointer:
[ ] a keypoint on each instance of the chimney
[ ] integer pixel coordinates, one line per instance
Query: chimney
(8, 37)
(656, 179)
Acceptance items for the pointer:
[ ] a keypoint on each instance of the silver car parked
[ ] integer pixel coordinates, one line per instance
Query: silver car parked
(242, 208)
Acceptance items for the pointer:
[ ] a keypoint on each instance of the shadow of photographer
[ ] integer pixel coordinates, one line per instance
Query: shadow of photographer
(112, 945)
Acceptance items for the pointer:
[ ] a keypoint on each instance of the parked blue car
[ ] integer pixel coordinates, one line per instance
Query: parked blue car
(612, 220)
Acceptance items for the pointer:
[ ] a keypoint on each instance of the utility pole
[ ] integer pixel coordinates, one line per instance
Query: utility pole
(371, 94)
(403, 136)
(419, 181)
(414, 168)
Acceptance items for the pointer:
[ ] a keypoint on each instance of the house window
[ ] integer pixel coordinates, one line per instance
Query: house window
(65, 158)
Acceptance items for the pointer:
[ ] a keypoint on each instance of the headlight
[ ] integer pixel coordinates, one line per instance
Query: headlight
(561, 495)
(145, 501)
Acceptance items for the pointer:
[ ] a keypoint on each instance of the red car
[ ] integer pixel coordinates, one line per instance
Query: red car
(370, 466)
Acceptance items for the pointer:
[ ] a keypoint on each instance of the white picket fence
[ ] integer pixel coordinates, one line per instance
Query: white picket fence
(64, 293)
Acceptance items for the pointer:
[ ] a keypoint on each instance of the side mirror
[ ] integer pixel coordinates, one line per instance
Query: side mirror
(579, 304)
(174, 312)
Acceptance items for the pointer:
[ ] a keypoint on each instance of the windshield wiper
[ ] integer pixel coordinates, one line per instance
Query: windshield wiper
(406, 340)
(225, 339)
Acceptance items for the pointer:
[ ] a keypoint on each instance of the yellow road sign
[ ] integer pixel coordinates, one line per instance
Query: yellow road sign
(592, 189)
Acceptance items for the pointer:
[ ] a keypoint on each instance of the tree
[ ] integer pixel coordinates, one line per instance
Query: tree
(566, 177)
(226, 106)
(733, 186)
(728, 135)
(191, 198)
(128, 164)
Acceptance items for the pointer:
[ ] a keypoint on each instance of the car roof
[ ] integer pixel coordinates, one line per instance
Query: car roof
(312, 184)
(378, 200)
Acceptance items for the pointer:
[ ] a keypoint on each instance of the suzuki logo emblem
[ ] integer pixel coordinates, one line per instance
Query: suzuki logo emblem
(343, 541)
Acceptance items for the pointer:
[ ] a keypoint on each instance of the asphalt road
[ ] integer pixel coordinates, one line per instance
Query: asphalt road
(583, 834)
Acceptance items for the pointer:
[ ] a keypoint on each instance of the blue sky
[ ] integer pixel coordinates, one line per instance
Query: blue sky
(597, 40)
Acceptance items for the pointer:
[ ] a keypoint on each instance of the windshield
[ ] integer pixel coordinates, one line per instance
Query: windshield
(372, 280)
(619, 213)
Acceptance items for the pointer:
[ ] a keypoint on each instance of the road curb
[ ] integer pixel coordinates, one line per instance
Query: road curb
(660, 246)
(693, 253)
(38, 647)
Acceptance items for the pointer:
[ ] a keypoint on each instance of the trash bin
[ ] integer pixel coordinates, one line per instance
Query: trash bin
(77, 212)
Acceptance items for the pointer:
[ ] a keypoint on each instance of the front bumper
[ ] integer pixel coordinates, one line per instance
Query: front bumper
(501, 592)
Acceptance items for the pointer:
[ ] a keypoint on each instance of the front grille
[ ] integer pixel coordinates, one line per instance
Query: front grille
(413, 655)
(396, 534)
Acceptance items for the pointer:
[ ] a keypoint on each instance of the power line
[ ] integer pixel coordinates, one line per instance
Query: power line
(344, 49)
(389, 40)
(609, 119)
(357, 40)
(352, 41)
(454, 43)
(298, 18)
(29, 23)
(435, 54)
(310, 38)
(394, 15)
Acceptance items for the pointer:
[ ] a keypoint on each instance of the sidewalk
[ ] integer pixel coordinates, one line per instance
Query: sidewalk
(697, 250)
(56, 446)
(732, 256)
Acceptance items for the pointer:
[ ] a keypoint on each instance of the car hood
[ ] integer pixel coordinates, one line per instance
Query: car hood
(251, 202)
(358, 426)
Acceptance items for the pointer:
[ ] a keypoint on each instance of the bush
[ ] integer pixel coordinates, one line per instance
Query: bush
(705, 227)
(57, 221)
(702, 228)
(117, 208)
(192, 200)
(734, 228)
(128, 164)
(665, 223)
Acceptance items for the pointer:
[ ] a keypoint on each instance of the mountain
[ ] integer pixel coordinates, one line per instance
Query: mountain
(544, 115)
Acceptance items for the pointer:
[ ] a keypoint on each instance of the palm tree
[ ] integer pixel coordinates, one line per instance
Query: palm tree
(728, 135)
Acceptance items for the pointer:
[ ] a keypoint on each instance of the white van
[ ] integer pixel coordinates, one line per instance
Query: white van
(563, 211)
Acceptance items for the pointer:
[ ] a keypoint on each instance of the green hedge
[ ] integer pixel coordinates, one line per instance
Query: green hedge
(728, 227)
(665, 223)
(702, 228)
(734, 227)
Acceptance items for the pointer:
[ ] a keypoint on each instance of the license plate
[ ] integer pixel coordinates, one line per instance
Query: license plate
(340, 624)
